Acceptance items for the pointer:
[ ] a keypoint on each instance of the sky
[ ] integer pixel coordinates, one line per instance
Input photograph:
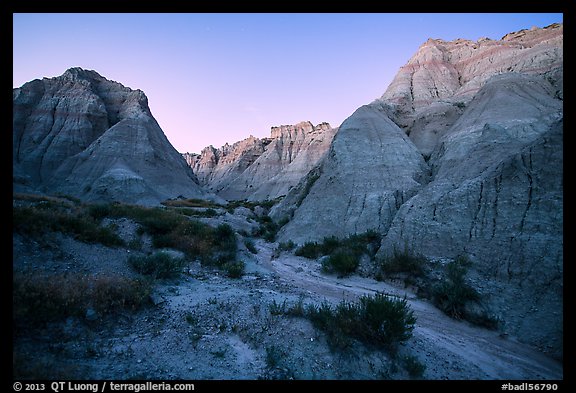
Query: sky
(213, 79)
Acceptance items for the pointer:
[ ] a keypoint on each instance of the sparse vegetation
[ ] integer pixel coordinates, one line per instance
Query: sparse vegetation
(413, 366)
(158, 265)
(50, 216)
(206, 213)
(169, 229)
(40, 298)
(192, 202)
(343, 254)
(452, 294)
(286, 246)
(274, 356)
(266, 204)
(249, 243)
(277, 308)
(403, 262)
(267, 229)
(341, 262)
(379, 321)
(307, 187)
(234, 269)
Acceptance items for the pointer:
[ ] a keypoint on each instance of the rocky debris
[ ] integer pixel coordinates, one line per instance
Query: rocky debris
(261, 169)
(83, 135)
(461, 155)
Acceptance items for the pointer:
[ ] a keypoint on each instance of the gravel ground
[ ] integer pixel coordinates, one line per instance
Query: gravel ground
(206, 326)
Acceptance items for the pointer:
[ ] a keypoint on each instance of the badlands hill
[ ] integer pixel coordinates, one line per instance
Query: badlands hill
(80, 134)
(462, 155)
(260, 169)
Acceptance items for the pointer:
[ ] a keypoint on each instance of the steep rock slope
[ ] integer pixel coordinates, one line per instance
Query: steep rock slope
(479, 175)
(260, 169)
(370, 170)
(428, 93)
(83, 135)
(497, 196)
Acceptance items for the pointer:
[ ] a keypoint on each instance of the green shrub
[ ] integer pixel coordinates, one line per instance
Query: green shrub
(39, 219)
(341, 262)
(357, 245)
(310, 250)
(413, 366)
(286, 246)
(404, 262)
(157, 265)
(234, 269)
(277, 308)
(167, 227)
(274, 356)
(297, 309)
(329, 245)
(208, 213)
(250, 246)
(268, 229)
(378, 320)
(192, 202)
(452, 293)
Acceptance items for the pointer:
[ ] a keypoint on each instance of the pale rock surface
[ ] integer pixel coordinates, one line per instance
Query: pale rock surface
(443, 76)
(83, 135)
(480, 173)
(371, 169)
(261, 169)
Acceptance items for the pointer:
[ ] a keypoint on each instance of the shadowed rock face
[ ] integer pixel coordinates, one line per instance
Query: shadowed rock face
(89, 137)
(260, 169)
(461, 155)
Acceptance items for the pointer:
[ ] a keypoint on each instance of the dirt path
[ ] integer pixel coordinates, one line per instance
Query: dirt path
(451, 349)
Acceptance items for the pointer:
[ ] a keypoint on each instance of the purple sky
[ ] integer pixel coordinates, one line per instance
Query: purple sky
(217, 78)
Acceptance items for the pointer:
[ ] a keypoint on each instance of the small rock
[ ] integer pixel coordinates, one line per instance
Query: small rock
(157, 299)
(91, 315)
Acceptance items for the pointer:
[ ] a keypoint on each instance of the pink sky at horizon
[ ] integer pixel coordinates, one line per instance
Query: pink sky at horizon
(213, 79)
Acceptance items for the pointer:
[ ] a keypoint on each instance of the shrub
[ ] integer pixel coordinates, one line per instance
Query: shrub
(452, 294)
(274, 356)
(250, 246)
(39, 219)
(286, 246)
(157, 265)
(342, 262)
(404, 262)
(297, 309)
(413, 366)
(234, 269)
(329, 245)
(40, 298)
(277, 308)
(192, 202)
(310, 250)
(378, 320)
(208, 213)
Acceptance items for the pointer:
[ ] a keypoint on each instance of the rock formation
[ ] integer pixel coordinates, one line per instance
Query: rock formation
(260, 169)
(85, 136)
(462, 155)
